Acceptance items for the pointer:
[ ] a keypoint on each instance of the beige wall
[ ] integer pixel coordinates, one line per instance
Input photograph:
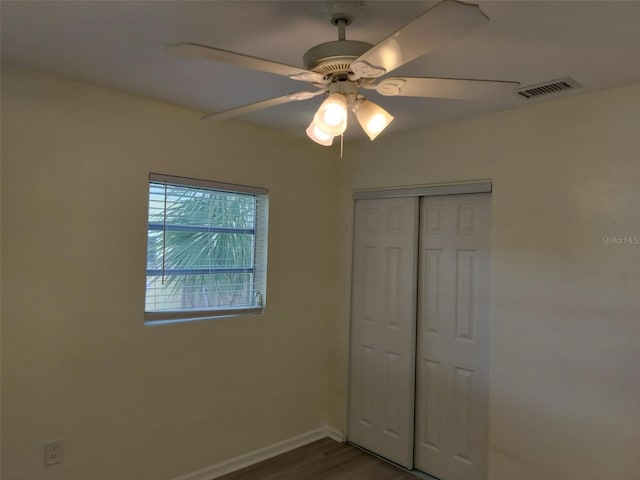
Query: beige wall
(0, 287)
(155, 403)
(132, 402)
(565, 350)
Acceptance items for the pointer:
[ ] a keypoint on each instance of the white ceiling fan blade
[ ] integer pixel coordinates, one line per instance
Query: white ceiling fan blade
(454, 88)
(253, 107)
(245, 61)
(440, 24)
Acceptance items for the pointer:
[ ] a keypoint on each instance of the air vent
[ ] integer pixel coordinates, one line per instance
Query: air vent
(546, 88)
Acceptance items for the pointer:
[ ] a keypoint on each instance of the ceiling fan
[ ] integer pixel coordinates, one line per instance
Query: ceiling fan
(340, 69)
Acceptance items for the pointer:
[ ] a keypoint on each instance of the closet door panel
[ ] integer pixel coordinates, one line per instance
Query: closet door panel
(452, 341)
(383, 327)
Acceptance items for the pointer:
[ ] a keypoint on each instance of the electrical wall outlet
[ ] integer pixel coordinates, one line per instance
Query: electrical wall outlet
(53, 452)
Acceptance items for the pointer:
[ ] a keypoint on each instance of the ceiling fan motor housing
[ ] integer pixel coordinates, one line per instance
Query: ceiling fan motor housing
(334, 57)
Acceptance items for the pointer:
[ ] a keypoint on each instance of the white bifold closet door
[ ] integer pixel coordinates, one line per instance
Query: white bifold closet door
(452, 370)
(383, 327)
(419, 333)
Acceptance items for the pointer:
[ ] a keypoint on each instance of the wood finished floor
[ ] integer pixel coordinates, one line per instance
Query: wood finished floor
(325, 459)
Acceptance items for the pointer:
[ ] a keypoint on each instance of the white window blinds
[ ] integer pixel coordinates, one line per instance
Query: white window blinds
(206, 249)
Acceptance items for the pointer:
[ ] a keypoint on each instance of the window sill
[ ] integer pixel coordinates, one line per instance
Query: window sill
(182, 316)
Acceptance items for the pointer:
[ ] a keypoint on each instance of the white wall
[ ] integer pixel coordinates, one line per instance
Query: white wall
(565, 339)
(132, 402)
(155, 403)
(0, 292)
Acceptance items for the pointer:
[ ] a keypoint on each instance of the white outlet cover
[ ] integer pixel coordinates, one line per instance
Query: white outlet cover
(53, 452)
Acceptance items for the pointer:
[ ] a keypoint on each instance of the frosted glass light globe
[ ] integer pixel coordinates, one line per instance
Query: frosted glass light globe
(377, 123)
(331, 117)
(334, 114)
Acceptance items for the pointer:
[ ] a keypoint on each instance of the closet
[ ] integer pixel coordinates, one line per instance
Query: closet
(419, 366)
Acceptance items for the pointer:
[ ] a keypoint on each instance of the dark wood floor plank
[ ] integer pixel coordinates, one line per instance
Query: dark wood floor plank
(284, 462)
(325, 459)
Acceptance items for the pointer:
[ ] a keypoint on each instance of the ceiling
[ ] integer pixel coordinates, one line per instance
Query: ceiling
(120, 45)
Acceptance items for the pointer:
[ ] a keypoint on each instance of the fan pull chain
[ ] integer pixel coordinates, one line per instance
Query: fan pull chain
(341, 145)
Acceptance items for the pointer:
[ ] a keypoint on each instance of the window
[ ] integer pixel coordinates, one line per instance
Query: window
(206, 249)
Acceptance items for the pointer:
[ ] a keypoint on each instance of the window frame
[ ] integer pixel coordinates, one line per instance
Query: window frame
(259, 268)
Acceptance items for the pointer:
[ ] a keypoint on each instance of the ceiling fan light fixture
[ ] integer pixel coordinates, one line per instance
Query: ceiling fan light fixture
(372, 118)
(340, 68)
(318, 136)
(331, 117)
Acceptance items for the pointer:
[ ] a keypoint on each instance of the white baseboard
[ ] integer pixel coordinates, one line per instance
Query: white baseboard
(250, 458)
(336, 435)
